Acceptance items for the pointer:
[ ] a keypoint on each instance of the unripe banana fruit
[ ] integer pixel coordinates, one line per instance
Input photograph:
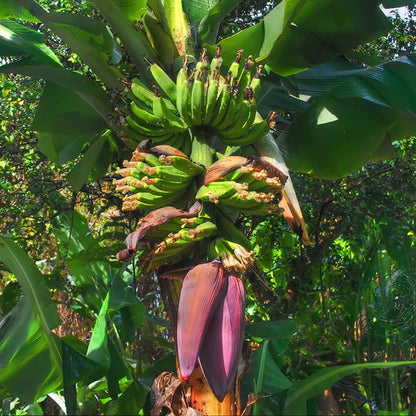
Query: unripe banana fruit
(199, 96)
(155, 177)
(250, 185)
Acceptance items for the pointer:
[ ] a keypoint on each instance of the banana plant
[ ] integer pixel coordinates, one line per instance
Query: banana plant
(200, 120)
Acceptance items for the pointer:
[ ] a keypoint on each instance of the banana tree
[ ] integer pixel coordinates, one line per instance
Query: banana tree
(210, 127)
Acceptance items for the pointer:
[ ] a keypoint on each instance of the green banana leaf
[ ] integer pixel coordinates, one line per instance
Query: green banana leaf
(302, 391)
(355, 122)
(90, 39)
(80, 86)
(133, 9)
(323, 78)
(211, 19)
(29, 353)
(197, 9)
(94, 162)
(134, 40)
(298, 34)
(264, 377)
(19, 40)
(271, 329)
(89, 269)
(10, 9)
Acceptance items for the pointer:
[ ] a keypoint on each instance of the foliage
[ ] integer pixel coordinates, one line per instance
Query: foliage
(344, 293)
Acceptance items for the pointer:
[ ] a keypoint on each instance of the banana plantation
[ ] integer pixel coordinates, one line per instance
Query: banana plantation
(207, 207)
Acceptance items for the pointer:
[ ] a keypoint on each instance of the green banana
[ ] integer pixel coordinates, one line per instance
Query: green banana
(255, 132)
(251, 116)
(229, 114)
(222, 105)
(216, 191)
(240, 116)
(255, 81)
(142, 93)
(216, 61)
(164, 81)
(165, 116)
(198, 99)
(202, 62)
(131, 205)
(146, 157)
(150, 198)
(171, 253)
(184, 164)
(168, 173)
(145, 115)
(244, 80)
(181, 82)
(235, 66)
(146, 130)
(263, 209)
(212, 93)
(247, 199)
(185, 100)
(172, 186)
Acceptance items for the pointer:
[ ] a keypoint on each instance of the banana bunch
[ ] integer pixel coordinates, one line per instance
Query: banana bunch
(153, 116)
(181, 244)
(249, 185)
(155, 177)
(227, 105)
(234, 257)
(167, 235)
(200, 96)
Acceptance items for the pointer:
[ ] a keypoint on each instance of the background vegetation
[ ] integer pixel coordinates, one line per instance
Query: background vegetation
(348, 299)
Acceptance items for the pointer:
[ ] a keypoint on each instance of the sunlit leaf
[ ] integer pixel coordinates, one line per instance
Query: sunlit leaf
(323, 379)
(350, 125)
(17, 39)
(10, 9)
(299, 34)
(44, 360)
(212, 17)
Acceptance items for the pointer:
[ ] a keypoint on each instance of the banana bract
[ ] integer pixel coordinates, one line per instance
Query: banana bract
(211, 325)
(221, 347)
(203, 289)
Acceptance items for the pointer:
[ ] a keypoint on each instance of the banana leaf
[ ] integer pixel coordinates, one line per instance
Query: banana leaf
(30, 353)
(10, 9)
(299, 34)
(19, 40)
(302, 391)
(354, 122)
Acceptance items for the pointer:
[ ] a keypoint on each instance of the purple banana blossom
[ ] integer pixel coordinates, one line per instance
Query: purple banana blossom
(211, 325)
(203, 289)
(223, 342)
